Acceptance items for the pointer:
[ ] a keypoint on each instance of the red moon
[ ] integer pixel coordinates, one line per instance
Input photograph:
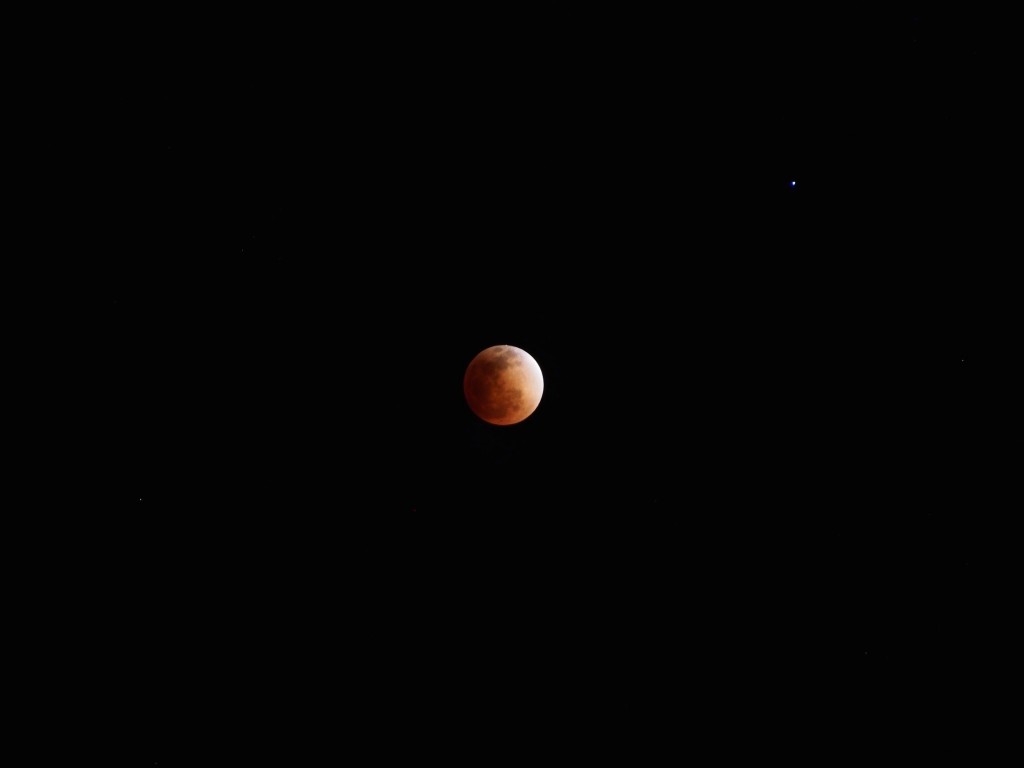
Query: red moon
(503, 385)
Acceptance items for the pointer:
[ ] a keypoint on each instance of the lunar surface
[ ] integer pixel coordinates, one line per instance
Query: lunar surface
(503, 385)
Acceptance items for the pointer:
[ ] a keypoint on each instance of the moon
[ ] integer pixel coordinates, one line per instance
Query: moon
(503, 385)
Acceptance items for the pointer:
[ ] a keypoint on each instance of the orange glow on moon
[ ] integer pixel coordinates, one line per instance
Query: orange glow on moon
(503, 385)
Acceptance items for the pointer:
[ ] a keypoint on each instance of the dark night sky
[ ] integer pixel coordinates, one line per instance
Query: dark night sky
(751, 464)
